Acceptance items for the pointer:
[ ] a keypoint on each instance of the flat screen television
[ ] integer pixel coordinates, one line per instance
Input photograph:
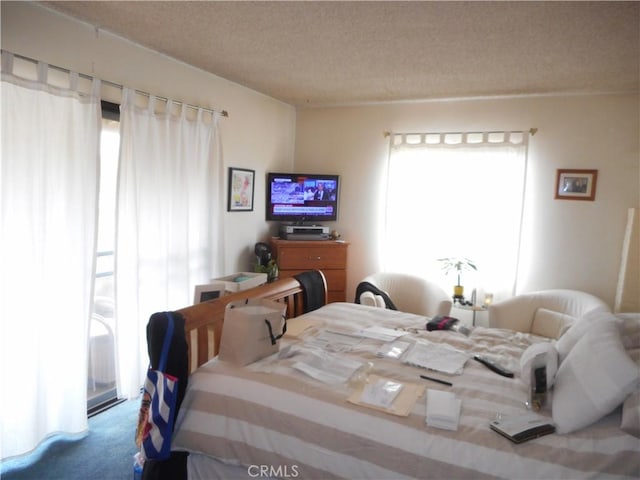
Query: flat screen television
(302, 198)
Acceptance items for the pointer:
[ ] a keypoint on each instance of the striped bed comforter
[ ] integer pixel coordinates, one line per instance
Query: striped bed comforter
(275, 418)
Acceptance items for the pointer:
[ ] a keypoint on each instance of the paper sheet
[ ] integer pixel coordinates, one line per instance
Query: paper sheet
(401, 404)
(393, 349)
(382, 333)
(437, 356)
(327, 368)
(333, 341)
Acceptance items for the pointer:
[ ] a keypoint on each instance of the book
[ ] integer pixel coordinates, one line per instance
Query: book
(521, 428)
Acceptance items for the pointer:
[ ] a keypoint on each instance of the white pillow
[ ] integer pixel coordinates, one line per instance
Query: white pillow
(630, 422)
(530, 353)
(550, 324)
(568, 340)
(630, 329)
(595, 378)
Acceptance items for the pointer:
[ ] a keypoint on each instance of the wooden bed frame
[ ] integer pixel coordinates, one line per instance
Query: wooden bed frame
(204, 321)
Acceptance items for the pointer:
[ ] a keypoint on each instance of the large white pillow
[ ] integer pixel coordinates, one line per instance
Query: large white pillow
(630, 329)
(630, 422)
(575, 332)
(595, 378)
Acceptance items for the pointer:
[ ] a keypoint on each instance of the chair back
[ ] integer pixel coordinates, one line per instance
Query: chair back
(412, 294)
(547, 312)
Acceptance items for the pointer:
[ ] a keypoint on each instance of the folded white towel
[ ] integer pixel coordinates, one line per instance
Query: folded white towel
(443, 409)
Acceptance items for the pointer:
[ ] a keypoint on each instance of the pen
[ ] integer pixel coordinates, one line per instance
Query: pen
(444, 382)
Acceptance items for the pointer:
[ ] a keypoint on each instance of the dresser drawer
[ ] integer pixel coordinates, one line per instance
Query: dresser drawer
(314, 257)
(294, 257)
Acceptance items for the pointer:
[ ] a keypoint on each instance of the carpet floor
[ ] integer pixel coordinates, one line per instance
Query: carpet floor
(106, 452)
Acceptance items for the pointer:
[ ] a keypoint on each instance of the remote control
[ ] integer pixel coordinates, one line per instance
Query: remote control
(493, 366)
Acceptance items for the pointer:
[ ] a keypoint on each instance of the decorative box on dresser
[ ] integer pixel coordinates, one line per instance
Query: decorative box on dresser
(295, 256)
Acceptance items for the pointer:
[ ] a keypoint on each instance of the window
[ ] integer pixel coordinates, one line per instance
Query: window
(456, 195)
(101, 385)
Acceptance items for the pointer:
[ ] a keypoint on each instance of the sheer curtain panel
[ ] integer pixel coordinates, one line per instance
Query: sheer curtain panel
(48, 206)
(457, 195)
(169, 222)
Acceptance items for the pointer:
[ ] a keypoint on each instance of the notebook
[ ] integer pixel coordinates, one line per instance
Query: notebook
(521, 428)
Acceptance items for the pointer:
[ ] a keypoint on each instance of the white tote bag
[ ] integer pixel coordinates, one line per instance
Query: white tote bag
(252, 330)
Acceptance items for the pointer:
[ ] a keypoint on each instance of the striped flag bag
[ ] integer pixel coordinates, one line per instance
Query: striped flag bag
(158, 408)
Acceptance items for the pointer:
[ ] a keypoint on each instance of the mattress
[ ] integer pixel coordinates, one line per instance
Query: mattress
(272, 419)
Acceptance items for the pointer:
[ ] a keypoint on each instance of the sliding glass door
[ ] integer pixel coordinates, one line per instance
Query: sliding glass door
(101, 381)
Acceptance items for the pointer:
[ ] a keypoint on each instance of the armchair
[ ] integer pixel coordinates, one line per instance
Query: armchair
(410, 293)
(547, 313)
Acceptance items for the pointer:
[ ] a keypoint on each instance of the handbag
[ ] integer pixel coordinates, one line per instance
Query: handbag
(158, 407)
(251, 331)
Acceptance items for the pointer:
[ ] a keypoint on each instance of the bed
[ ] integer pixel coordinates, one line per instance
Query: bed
(275, 418)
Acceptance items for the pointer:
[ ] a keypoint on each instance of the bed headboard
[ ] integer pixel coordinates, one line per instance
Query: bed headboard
(204, 321)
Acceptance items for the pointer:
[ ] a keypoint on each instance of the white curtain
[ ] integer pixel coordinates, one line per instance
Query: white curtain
(169, 224)
(48, 210)
(456, 195)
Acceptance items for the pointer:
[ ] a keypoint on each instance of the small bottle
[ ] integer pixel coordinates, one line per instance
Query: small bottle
(538, 387)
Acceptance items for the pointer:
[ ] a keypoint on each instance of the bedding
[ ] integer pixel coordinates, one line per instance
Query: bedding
(274, 418)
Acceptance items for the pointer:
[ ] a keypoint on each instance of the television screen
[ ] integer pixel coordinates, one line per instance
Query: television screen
(298, 197)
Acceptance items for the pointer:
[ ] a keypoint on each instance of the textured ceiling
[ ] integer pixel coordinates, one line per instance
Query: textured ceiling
(328, 53)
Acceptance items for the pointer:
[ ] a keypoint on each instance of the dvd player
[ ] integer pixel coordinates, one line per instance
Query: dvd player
(304, 232)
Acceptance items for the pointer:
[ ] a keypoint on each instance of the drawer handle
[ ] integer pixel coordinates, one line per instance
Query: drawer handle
(315, 258)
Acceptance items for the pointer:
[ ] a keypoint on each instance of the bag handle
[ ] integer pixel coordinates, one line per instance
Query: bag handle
(168, 335)
(284, 330)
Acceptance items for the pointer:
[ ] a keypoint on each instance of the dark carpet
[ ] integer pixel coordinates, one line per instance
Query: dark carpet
(106, 452)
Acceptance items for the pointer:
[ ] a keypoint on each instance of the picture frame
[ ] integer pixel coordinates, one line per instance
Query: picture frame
(241, 189)
(209, 291)
(575, 184)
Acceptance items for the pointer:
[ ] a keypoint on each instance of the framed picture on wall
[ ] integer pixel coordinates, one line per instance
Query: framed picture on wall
(241, 186)
(574, 184)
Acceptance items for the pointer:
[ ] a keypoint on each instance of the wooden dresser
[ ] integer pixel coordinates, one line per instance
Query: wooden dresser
(295, 256)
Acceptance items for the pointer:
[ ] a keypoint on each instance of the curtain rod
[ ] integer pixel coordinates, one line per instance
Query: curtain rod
(532, 131)
(224, 113)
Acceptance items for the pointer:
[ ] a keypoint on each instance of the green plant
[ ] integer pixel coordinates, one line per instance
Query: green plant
(457, 264)
(271, 269)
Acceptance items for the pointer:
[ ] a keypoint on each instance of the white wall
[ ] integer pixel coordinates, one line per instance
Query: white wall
(567, 244)
(258, 135)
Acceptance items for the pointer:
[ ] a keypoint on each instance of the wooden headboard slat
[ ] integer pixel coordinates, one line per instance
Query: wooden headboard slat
(204, 317)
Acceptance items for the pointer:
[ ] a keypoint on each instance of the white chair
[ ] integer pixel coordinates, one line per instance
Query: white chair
(547, 313)
(410, 293)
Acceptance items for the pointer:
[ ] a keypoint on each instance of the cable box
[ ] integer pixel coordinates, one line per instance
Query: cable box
(304, 232)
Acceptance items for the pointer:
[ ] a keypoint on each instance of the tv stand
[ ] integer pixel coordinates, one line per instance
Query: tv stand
(304, 232)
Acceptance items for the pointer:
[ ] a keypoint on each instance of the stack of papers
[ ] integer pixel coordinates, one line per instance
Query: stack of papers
(443, 410)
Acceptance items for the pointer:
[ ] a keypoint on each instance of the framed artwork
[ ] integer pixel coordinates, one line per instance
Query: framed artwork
(241, 186)
(576, 184)
(210, 291)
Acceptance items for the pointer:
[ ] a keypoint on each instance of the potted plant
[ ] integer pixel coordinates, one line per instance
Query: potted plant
(457, 264)
(271, 269)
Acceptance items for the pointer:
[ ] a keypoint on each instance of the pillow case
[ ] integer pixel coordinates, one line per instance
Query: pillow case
(550, 324)
(630, 329)
(593, 380)
(631, 407)
(531, 353)
(575, 332)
